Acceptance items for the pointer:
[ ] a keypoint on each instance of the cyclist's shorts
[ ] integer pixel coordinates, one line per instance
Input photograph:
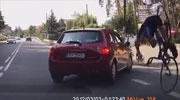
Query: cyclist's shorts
(145, 31)
(148, 31)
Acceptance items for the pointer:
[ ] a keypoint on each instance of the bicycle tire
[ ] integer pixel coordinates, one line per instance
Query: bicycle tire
(165, 85)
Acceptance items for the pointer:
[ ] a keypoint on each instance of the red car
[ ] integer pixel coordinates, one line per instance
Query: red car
(89, 51)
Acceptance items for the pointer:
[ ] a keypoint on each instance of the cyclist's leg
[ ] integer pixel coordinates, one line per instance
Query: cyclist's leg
(138, 40)
(150, 36)
(160, 43)
(162, 37)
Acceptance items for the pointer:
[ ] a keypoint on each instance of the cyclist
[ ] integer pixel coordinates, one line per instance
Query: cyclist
(148, 29)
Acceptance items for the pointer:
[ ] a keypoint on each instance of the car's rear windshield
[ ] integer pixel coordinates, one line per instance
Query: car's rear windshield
(81, 36)
(11, 37)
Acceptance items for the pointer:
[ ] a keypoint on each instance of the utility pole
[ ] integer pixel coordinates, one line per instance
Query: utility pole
(125, 15)
(86, 15)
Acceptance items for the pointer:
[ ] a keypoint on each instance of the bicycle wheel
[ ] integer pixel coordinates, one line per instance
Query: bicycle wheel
(169, 75)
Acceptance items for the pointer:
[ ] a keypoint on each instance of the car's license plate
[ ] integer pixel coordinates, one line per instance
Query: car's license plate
(75, 55)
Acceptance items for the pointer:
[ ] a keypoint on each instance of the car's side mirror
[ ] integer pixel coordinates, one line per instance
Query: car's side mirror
(127, 44)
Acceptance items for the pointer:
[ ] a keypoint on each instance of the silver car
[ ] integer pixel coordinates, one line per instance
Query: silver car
(11, 40)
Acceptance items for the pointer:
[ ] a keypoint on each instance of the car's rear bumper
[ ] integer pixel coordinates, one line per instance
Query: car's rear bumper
(85, 67)
(11, 41)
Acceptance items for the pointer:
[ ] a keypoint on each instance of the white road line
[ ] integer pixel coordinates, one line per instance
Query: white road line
(140, 82)
(7, 59)
(1, 67)
(1, 74)
(13, 52)
(174, 94)
(8, 65)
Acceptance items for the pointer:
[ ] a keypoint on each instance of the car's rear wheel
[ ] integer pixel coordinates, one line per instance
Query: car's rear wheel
(129, 64)
(112, 74)
(57, 78)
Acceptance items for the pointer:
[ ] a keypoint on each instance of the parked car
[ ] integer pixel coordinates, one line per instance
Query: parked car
(11, 40)
(89, 51)
(17, 38)
(28, 39)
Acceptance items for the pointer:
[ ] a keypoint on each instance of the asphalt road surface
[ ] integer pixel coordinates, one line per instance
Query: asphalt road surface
(24, 75)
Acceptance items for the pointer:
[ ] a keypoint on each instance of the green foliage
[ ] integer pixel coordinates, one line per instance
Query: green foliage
(41, 36)
(131, 21)
(18, 31)
(52, 27)
(69, 24)
(32, 30)
(61, 26)
(81, 21)
(111, 4)
(78, 21)
(93, 26)
(2, 23)
(177, 38)
(2, 38)
(117, 21)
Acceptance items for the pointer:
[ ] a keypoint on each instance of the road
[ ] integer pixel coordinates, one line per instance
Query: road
(24, 75)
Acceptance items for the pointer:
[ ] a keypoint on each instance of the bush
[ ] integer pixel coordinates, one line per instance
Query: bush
(177, 38)
(41, 36)
(2, 38)
(53, 36)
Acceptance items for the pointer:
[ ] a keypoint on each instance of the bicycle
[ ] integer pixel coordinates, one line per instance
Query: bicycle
(169, 72)
(169, 67)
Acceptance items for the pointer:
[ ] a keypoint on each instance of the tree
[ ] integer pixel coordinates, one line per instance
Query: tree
(61, 25)
(69, 24)
(117, 21)
(2, 23)
(31, 30)
(131, 19)
(120, 8)
(42, 28)
(52, 27)
(18, 31)
(117, 4)
(84, 20)
(78, 21)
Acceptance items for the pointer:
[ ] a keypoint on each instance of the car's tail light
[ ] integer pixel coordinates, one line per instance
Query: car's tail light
(103, 50)
(51, 51)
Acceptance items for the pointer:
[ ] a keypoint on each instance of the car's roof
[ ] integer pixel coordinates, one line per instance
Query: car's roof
(88, 29)
(11, 37)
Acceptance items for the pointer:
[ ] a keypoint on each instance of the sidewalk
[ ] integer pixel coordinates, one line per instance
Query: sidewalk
(148, 51)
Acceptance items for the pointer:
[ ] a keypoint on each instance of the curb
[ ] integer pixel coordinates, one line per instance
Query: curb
(2, 42)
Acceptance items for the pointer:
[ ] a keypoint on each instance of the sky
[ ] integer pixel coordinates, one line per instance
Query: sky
(23, 13)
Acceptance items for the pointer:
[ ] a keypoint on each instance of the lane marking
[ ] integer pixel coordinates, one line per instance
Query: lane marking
(174, 94)
(13, 52)
(8, 65)
(1, 74)
(140, 82)
(7, 59)
(1, 67)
